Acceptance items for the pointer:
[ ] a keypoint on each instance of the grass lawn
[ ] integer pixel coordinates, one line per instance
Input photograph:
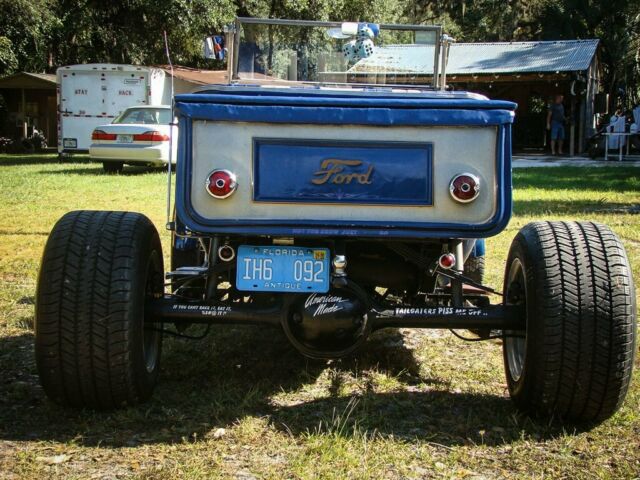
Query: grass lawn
(243, 404)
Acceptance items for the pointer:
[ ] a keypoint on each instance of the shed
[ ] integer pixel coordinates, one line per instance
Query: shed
(29, 101)
(528, 73)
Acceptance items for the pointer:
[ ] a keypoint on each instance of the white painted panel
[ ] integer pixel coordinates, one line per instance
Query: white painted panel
(93, 94)
(81, 129)
(456, 150)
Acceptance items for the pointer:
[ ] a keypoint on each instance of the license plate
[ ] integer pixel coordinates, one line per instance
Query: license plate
(70, 143)
(125, 138)
(282, 269)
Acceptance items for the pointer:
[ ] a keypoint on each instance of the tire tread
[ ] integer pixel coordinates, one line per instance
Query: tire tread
(580, 357)
(87, 308)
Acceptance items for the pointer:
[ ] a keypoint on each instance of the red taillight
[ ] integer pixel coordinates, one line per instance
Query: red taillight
(447, 261)
(221, 183)
(465, 187)
(151, 136)
(102, 135)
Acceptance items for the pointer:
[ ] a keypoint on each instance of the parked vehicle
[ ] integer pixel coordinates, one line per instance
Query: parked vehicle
(320, 194)
(92, 94)
(138, 136)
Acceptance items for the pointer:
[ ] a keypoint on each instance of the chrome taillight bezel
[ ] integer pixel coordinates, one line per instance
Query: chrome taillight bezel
(232, 187)
(476, 187)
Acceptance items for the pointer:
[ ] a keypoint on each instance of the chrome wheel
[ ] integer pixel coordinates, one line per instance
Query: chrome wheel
(151, 332)
(515, 342)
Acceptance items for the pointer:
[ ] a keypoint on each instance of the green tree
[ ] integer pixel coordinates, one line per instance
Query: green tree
(615, 22)
(8, 60)
(25, 29)
(38, 35)
(132, 31)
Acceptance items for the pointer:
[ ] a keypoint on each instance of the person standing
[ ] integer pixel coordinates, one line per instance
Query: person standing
(555, 123)
(617, 125)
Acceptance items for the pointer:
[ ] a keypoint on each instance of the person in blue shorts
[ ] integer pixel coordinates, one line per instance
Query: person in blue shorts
(555, 123)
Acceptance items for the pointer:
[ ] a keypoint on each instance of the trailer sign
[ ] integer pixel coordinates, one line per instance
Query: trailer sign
(90, 93)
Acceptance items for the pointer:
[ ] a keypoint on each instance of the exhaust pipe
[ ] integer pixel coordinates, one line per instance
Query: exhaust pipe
(226, 253)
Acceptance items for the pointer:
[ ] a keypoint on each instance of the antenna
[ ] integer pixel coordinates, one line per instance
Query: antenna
(169, 224)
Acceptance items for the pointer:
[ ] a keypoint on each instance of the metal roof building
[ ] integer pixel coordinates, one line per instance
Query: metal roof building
(29, 101)
(529, 73)
(521, 57)
(483, 58)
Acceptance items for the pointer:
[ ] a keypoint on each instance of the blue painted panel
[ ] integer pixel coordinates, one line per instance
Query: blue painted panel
(337, 115)
(365, 173)
(333, 98)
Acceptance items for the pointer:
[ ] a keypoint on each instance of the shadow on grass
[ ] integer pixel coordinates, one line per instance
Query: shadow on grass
(237, 373)
(575, 207)
(92, 168)
(85, 166)
(578, 178)
(34, 159)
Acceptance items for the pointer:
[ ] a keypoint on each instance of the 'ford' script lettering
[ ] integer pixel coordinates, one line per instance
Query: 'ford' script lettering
(332, 170)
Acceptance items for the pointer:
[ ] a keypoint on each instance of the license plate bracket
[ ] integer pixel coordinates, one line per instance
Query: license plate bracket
(282, 269)
(70, 143)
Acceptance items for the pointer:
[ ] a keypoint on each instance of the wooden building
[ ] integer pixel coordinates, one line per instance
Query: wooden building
(28, 101)
(531, 74)
(528, 73)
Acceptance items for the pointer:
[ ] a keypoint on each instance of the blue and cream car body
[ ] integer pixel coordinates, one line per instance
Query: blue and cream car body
(350, 163)
(326, 193)
(332, 188)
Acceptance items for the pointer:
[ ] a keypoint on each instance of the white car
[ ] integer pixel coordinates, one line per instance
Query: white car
(139, 136)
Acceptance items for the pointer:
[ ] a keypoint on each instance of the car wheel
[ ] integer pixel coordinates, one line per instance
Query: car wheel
(112, 167)
(575, 358)
(95, 347)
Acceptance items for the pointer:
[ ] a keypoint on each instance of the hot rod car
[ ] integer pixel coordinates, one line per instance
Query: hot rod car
(332, 188)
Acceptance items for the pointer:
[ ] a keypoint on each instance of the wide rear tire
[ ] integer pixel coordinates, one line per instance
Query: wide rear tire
(574, 361)
(93, 346)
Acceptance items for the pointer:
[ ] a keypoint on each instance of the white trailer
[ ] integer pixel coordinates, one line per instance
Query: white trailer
(94, 94)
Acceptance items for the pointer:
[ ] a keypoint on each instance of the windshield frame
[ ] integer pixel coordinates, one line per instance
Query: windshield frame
(233, 45)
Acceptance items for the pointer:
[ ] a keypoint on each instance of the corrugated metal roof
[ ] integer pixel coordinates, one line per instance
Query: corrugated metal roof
(47, 77)
(483, 58)
(521, 57)
(29, 81)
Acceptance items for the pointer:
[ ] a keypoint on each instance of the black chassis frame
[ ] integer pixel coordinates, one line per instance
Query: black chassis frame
(454, 314)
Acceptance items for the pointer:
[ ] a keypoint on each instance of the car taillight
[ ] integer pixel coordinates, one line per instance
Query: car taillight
(465, 187)
(102, 135)
(447, 261)
(150, 136)
(221, 183)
